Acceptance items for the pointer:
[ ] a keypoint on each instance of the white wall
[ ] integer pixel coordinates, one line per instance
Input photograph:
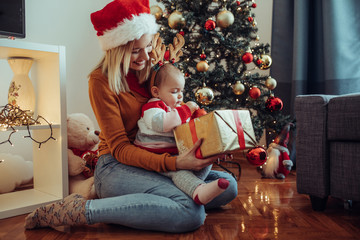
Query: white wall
(67, 23)
(263, 15)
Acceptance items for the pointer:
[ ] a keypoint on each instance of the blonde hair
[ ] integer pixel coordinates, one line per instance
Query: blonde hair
(116, 65)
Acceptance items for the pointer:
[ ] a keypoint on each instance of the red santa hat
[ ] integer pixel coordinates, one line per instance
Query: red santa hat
(122, 21)
(283, 138)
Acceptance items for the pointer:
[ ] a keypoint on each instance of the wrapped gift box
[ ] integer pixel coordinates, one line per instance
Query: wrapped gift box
(222, 131)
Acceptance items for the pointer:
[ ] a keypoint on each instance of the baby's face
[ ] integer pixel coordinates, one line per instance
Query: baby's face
(171, 90)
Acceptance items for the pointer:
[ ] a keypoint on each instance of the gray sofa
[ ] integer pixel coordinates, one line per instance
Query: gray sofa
(328, 147)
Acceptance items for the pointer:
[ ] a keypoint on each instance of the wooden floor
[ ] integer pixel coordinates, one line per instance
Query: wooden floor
(264, 209)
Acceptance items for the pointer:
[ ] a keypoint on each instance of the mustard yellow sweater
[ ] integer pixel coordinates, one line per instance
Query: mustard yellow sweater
(117, 116)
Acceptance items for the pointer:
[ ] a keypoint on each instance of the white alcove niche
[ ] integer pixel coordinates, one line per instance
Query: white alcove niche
(48, 75)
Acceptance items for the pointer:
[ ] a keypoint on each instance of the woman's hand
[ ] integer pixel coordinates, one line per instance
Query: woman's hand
(188, 161)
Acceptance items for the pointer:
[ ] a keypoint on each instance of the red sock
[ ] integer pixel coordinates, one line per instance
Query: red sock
(205, 193)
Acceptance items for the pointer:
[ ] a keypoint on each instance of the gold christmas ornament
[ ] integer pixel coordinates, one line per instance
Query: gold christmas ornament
(202, 66)
(156, 11)
(238, 88)
(204, 95)
(266, 61)
(224, 19)
(270, 83)
(176, 20)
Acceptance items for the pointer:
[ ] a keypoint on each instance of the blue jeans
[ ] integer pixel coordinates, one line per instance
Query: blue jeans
(142, 199)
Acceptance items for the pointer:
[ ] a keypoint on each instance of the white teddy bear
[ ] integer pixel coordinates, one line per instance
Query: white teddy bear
(82, 139)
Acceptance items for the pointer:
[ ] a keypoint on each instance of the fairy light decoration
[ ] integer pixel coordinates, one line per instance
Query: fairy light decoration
(40, 142)
(11, 116)
(8, 140)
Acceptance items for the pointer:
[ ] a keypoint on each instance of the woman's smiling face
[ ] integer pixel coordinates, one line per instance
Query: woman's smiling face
(140, 53)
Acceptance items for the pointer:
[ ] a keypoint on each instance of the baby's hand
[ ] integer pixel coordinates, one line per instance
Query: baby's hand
(193, 106)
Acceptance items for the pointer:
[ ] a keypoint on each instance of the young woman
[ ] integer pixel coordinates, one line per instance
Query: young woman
(130, 189)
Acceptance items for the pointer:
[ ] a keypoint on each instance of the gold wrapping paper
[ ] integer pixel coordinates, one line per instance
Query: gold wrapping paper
(219, 132)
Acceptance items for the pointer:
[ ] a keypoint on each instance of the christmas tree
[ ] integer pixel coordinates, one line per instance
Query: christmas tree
(221, 53)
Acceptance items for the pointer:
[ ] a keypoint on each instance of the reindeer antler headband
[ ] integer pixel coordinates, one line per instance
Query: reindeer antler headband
(158, 53)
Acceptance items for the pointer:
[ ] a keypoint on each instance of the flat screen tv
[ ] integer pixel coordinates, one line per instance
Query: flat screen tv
(12, 18)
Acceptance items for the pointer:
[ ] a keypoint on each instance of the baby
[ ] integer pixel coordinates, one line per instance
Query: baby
(159, 116)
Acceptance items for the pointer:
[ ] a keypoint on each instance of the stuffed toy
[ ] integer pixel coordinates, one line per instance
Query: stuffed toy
(82, 158)
(278, 164)
(14, 171)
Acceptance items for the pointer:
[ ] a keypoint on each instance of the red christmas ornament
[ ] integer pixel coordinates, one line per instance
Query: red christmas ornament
(167, 55)
(210, 25)
(238, 3)
(273, 104)
(203, 56)
(258, 62)
(254, 93)
(250, 19)
(198, 113)
(182, 33)
(247, 57)
(187, 74)
(256, 156)
(254, 5)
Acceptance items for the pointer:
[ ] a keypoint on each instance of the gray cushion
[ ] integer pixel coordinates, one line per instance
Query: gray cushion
(343, 118)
